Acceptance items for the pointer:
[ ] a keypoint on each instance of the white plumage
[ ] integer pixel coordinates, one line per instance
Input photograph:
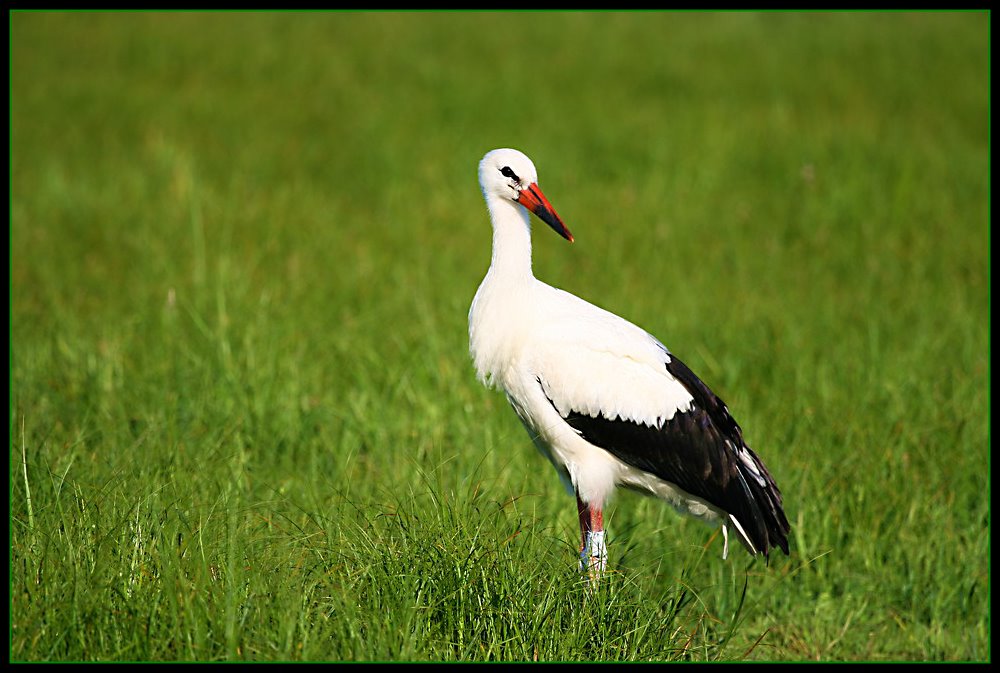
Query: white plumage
(602, 399)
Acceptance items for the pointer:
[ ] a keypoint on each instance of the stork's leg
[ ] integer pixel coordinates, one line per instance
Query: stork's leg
(593, 551)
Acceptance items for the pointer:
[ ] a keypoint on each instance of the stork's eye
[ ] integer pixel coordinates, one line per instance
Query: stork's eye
(507, 173)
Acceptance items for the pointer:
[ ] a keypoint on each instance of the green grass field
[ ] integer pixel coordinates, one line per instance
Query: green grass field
(243, 420)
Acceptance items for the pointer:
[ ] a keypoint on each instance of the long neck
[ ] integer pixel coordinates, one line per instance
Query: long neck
(499, 307)
(511, 240)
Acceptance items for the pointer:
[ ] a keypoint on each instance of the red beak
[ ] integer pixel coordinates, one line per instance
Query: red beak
(533, 199)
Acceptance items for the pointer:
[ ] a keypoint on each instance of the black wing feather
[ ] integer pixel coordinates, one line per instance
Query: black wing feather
(699, 451)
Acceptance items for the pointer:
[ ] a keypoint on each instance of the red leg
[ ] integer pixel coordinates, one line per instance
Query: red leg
(593, 553)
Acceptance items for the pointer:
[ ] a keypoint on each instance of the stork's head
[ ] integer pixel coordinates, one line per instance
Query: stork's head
(509, 174)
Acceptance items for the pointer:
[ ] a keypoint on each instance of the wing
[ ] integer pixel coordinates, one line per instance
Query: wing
(634, 399)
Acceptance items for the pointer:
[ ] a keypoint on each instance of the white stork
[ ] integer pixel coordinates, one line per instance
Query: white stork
(602, 399)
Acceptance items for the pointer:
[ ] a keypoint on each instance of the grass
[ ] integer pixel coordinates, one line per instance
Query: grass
(243, 421)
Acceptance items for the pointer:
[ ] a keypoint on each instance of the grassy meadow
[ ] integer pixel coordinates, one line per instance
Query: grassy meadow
(244, 425)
